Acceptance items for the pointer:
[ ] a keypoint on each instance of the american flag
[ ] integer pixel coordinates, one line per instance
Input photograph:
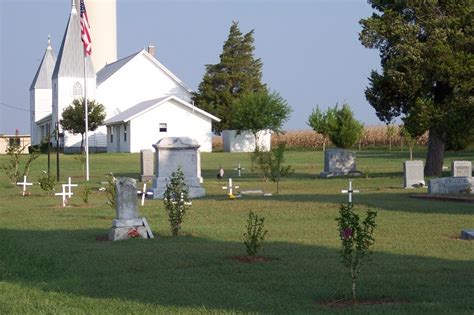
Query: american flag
(85, 36)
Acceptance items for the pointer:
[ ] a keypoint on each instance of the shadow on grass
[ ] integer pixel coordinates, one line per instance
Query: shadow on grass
(388, 201)
(197, 272)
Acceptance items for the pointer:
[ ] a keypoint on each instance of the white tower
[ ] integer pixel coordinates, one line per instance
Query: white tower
(102, 15)
(41, 96)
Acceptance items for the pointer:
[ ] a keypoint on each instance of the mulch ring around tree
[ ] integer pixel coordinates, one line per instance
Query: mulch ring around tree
(467, 199)
(244, 259)
(347, 303)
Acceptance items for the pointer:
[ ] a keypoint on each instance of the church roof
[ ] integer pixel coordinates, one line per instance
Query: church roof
(145, 106)
(42, 78)
(107, 71)
(70, 61)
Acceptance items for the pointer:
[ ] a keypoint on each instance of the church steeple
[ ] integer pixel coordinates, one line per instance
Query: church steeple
(42, 79)
(71, 57)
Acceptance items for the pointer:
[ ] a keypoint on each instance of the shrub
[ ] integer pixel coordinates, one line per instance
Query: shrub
(14, 151)
(87, 190)
(46, 183)
(110, 190)
(356, 238)
(255, 235)
(176, 200)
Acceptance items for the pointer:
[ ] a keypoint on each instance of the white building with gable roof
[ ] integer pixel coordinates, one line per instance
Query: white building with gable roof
(144, 101)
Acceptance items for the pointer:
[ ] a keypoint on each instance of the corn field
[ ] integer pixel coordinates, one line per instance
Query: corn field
(373, 137)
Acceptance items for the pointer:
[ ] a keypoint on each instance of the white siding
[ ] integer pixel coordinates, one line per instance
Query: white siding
(181, 122)
(139, 80)
(62, 98)
(245, 142)
(40, 106)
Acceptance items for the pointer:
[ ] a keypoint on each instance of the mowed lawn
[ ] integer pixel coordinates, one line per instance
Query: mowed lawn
(54, 260)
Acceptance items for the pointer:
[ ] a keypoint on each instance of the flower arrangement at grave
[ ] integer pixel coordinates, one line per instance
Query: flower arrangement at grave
(133, 233)
(176, 200)
(356, 238)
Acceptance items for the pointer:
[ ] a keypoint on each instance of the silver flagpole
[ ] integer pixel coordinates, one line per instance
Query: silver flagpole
(86, 116)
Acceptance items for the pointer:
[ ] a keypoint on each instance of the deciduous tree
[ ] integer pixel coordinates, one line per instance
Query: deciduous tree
(73, 117)
(427, 76)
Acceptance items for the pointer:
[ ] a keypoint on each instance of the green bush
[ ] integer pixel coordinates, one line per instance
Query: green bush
(176, 200)
(357, 238)
(255, 235)
(339, 125)
(46, 183)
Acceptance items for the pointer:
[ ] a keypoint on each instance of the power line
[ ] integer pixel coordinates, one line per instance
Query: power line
(22, 109)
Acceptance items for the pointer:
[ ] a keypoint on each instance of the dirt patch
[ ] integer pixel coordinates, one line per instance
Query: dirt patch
(250, 259)
(347, 303)
(102, 238)
(467, 199)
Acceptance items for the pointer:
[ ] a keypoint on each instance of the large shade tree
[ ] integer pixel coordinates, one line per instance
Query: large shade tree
(427, 74)
(236, 74)
(73, 118)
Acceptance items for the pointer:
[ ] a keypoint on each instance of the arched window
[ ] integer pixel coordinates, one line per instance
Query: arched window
(77, 90)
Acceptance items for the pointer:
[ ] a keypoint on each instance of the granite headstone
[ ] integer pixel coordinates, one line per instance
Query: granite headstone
(450, 185)
(413, 175)
(338, 162)
(127, 216)
(461, 169)
(173, 153)
(146, 165)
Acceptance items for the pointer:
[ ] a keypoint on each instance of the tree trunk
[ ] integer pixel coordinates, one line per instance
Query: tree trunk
(82, 143)
(435, 155)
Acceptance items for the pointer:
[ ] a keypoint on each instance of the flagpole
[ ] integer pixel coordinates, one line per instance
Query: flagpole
(86, 114)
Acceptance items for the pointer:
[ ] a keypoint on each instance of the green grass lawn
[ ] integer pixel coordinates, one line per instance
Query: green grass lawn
(51, 261)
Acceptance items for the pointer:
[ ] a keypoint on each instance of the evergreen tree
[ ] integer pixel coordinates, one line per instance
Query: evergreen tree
(427, 76)
(236, 74)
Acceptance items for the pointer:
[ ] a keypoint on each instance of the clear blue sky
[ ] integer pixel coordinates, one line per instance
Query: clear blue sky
(310, 49)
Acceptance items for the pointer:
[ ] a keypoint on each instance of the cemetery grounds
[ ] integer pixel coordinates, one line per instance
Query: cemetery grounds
(57, 260)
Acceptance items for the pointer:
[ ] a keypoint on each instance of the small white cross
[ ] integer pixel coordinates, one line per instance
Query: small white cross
(239, 169)
(69, 186)
(24, 184)
(65, 194)
(229, 187)
(143, 193)
(350, 191)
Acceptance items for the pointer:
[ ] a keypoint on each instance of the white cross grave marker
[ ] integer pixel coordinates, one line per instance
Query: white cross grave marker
(229, 187)
(143, 193)
(69, 186)
(64, 194)
(24, 184)
(350, 191)
(239, 169)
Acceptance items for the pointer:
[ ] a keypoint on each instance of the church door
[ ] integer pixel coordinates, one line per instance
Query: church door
(117, 132)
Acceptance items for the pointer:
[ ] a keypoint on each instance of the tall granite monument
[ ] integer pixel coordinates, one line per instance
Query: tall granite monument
(172, 153)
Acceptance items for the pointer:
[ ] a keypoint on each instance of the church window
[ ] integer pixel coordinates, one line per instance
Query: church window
(125, 133)
(163, 127)
(76, 90)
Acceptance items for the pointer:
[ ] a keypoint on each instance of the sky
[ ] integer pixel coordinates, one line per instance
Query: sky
(309, 48)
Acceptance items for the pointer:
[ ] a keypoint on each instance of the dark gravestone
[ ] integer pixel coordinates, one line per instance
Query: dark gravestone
(467, 234)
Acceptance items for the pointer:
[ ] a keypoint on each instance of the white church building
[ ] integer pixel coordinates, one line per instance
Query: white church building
(144, 101)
